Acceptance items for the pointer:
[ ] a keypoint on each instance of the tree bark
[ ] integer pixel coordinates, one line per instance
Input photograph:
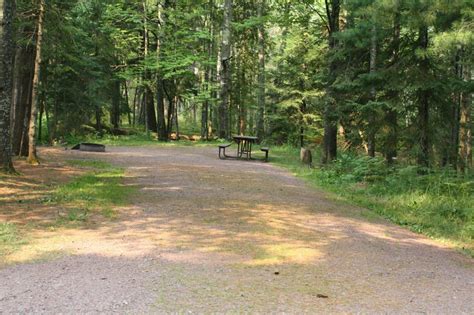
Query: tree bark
(149, 103)
(452, 148)
(205, 112)
(205, 107)
(115, 112)
(423, 104)
(373, 93)
(225, 76)
(150, 110)
(465, 130)
(242, 96)
(176, 115)
(303, 111)
(261, 73)
(24, 67)
(330, 115)
(127, 101)
(391, 117)
(32, 156)
(7, 55)
(160, 97)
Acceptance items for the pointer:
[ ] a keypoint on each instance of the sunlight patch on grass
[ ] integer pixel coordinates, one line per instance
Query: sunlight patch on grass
(96, 192)
(10, 239)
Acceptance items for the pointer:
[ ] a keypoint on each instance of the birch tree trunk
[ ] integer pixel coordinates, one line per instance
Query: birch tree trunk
(32, 156)
(7, 51)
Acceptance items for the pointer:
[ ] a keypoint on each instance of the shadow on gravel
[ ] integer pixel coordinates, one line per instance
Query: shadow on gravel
(215, 236)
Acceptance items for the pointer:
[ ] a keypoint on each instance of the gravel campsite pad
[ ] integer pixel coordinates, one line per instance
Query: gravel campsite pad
(204, 235)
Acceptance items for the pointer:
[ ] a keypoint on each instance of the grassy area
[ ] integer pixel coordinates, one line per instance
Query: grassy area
(10, 238)
(439, 204)
(96, 192)
(87, 199)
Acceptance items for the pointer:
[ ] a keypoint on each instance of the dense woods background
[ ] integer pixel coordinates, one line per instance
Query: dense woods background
(386, 78)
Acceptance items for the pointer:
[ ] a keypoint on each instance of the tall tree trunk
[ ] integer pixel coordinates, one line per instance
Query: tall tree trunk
(134, 106)
(40, 120)
(141, 109)
(7, 55)
(465, 130)
(373, 93)
(240, 95)
(205, 112)
(303, 111)
(329, 153)
(162, 128)
(24, 66)
(261, 73)
(160, 92)
(98, 118)
(115, 112)
(242, 100)
(423, 104)
(205, 107)
(452, 147)
(225, 76)
(53, 123)
(391, 116)
(149, 104)
(32, 156)
(24, 142)
(150, 110)
(127, 101)
(176, 116)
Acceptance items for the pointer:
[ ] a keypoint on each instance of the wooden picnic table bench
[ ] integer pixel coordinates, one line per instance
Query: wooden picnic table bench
(222, 148)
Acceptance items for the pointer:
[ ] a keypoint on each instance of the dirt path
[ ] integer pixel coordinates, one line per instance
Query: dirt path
(206, 235)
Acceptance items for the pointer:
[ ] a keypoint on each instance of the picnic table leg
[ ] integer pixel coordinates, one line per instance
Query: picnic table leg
(239, 148)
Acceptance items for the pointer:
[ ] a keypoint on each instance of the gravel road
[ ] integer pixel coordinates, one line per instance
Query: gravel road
(204, 235)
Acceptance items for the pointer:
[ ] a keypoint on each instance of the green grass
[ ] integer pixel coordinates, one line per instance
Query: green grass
(10, 238)
(96, 164)
(439, 204)
(97, 191)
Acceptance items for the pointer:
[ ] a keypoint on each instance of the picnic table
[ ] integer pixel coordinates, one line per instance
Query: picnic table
(244, 148)
(244, 145)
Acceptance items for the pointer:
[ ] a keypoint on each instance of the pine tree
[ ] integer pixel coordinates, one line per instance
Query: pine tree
(6, 81)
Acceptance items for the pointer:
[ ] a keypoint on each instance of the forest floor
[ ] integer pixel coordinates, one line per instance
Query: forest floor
(204, 235)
